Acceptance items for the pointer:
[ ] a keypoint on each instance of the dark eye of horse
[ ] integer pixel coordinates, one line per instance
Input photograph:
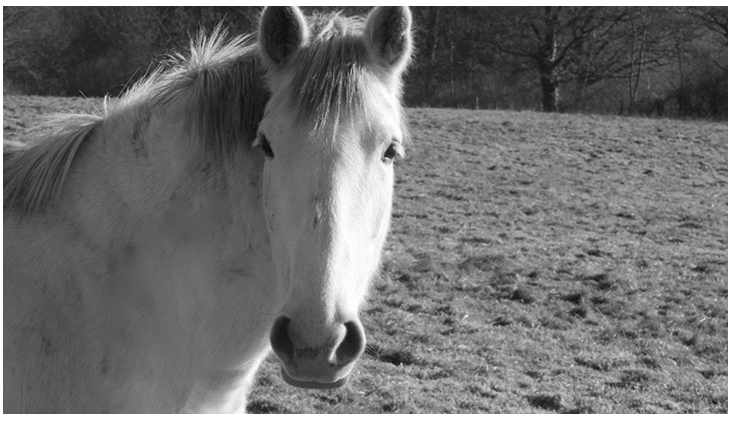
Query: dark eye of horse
(265, 145)
(390, 153)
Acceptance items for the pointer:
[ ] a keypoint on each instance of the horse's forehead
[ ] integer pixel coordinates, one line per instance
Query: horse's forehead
(379, 116)
(372, 103)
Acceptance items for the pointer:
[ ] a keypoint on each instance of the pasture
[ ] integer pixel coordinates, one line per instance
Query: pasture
(536, 263)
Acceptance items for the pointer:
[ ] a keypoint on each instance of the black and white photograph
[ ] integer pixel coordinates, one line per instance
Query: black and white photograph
(515, 209)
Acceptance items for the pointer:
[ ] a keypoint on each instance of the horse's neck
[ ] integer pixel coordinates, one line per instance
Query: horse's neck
(151, 263)
(163, 236)
(143, 186)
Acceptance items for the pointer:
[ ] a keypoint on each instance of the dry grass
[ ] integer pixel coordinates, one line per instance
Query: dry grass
(538, 263)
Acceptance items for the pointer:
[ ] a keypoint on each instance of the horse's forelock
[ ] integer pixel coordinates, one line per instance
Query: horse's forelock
(333, 74)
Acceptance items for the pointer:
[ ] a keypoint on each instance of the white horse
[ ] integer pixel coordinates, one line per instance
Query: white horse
(235, 200)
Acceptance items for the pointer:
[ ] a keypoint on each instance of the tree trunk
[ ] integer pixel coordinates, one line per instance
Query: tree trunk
(636, 64)
(631, 71)
(451, 63)
(548, 77)
(433, 14)
(682, 95)
(550, 93)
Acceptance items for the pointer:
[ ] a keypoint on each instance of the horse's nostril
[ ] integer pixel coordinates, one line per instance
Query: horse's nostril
(280, 340)
(337, 353)
(352, 345)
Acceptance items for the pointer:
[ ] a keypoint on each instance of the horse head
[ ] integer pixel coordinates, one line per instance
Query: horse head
(330, 132)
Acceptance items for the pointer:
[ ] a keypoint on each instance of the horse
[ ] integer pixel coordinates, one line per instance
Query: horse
(235, 200)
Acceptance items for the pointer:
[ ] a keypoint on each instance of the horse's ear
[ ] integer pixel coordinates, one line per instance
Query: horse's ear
(282, 31)
(388, 31)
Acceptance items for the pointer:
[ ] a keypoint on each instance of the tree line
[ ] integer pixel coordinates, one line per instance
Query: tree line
(663, 61)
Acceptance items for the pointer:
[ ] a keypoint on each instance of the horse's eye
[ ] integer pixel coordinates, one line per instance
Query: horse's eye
(391, 152)
(265, 146)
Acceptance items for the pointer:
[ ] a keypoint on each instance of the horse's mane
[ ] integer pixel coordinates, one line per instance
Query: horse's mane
(33, 173)
(222, 82)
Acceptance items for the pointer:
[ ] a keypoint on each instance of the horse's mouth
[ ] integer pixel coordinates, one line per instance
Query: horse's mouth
(313, 384)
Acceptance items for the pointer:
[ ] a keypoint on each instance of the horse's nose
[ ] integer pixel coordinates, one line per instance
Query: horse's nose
(311, 366)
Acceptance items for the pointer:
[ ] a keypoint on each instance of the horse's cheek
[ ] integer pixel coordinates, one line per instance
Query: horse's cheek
(268, 200)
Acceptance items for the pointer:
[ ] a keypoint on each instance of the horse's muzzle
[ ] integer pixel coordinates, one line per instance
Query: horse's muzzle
(317, 367)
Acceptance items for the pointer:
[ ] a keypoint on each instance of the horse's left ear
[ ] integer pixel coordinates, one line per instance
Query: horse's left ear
(282, 31)
(388, 31)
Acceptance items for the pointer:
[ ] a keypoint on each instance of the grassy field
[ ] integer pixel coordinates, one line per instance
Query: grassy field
(537, 263)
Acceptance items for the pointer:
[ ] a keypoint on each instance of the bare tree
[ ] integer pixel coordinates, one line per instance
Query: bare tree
(714, 18)
(552, 41)
(645, 35)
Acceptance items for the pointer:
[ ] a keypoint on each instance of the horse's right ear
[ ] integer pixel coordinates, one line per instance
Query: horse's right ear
(388, 31)
(282, 31)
